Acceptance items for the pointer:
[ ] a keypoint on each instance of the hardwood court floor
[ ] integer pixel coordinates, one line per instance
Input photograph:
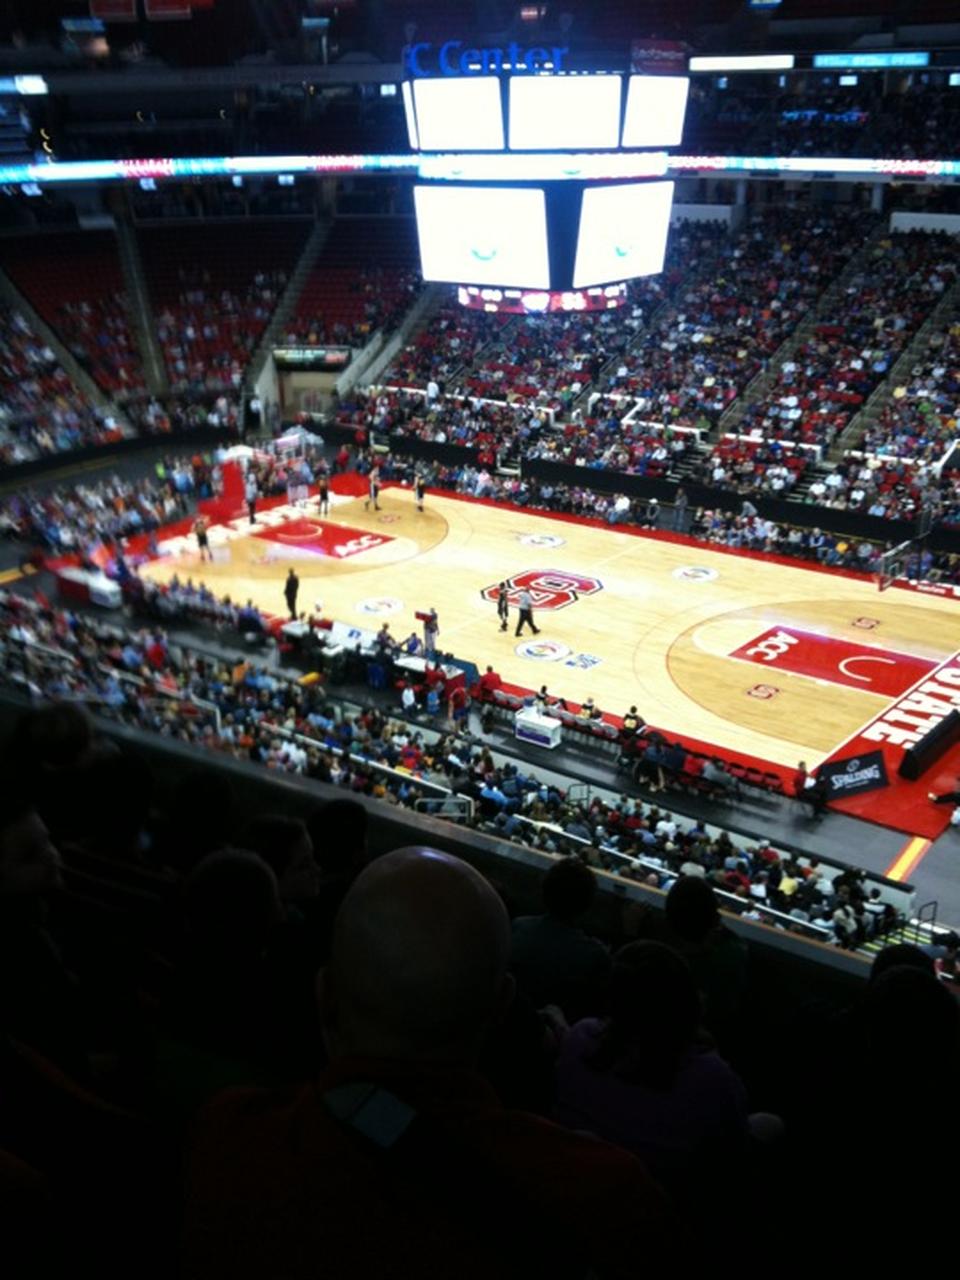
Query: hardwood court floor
(774, 661)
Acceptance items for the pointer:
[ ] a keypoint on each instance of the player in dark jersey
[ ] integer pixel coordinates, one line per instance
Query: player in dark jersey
(374, 491)
(203, 541)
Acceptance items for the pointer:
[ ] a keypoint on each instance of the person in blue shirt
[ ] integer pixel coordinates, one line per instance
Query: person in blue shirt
(131, 657)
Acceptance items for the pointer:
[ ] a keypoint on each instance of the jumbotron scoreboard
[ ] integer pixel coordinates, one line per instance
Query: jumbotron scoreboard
(541, 189)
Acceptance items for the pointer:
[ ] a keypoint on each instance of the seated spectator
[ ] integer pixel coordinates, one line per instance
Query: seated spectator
(417, 978)
(644, 1078)
(716, 773)
(285, 846)
(235, 1007)
(489, 682)
(715, 954)
(898, 954)
(633, 723)
(40, 1004)
(408, 699)
(552, 958)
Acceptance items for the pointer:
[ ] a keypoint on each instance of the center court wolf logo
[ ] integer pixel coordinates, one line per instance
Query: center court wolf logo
(549, 588)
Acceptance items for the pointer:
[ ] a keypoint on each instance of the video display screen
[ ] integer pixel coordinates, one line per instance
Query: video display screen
(459, 113)
(623, 232)
(483, 235)
(549, 113)
(656, 106)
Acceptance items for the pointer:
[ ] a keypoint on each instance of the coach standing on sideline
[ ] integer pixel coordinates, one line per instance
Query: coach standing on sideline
(290, 589)
(503, 606)
(431, 633)
(680, 504)
(525, 604)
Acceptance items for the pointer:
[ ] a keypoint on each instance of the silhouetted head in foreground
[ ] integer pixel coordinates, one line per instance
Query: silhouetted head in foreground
(418, 969)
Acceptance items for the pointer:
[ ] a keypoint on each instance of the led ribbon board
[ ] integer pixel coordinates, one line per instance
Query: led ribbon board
(454, 166)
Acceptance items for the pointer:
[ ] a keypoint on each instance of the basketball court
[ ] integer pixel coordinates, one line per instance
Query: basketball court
(767, 661)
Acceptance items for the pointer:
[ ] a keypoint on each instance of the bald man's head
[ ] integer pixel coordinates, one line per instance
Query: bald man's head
(418, 964)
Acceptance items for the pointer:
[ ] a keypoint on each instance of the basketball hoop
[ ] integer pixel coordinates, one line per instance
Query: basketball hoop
(894, 563)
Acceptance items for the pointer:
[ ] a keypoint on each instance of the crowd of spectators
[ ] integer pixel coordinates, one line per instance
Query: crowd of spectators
(552, 360)
(719, 119)
(726, 323)
(919, 421)
(500, 433)
(604, 440)
(196, 968)
(207, 339)
(377, 300)
(746, 529)
(548, 360)
(174, 415)
(752, 466)
(162, 943)
(85, 518)
(99, 335)
(451, 341)
(916, 121)
(827, 379)
(892, 490)
(146, 679)
(41, 410)
(178, 603)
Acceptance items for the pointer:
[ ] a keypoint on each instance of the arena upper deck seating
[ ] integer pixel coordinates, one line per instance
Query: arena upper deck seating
(366, 277)
(75, 282)
(214, 289)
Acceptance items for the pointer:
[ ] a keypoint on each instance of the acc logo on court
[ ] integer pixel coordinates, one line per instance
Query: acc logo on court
(542, 650)
(548, 588)
(541, 540)
(866, 624)
(695, 573)
(379, 605)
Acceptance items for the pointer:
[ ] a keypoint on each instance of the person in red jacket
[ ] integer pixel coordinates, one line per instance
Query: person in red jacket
(489, 681)
(458, 705)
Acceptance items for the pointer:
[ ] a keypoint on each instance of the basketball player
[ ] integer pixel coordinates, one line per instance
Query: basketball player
(503, 606)
(525, 604)
(419, 489)
(323, 495)
(374, 491)
(290, 589)
(250, 493)
(203, 542)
